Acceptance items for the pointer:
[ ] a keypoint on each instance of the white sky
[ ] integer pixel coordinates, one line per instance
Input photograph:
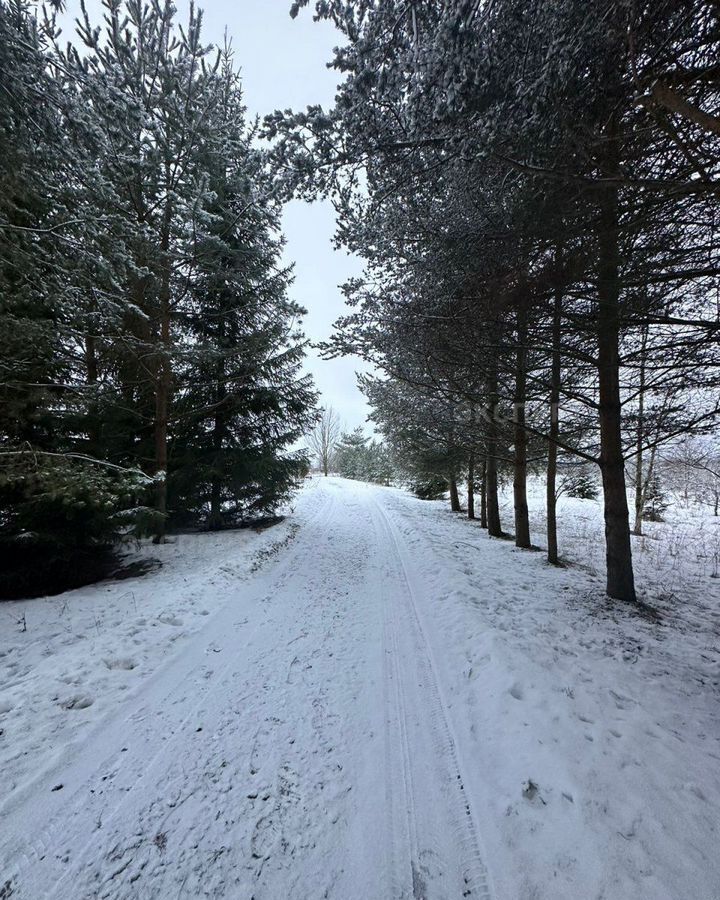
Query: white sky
(282, 61)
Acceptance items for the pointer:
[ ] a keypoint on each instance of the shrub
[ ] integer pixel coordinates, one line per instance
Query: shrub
(655, 501)
(581, 485)
(61, 518)
(432, 487)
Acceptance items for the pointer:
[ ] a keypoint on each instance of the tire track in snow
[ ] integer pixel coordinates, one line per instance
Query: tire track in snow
(423, 877)
(401, 829)
(303, 837)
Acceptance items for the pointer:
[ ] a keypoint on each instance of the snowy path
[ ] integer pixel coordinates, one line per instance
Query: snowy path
(300, 747)
(393, 706)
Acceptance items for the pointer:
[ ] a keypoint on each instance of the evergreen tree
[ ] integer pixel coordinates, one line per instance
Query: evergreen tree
(360, 458)
(580, 484)
(655, 501)
(208, 390)
(351, 455)
(534, 213)
(147, 338)
(241, 400)
(60, 508)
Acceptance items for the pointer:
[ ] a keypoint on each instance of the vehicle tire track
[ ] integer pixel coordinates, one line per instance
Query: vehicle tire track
(425, 721)
(401, 827)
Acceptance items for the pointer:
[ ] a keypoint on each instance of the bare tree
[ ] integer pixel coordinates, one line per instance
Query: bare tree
(324, 436)
(692, 469)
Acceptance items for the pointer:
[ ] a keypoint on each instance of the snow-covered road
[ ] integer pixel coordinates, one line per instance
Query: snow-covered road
(391, 707)
(300, 747)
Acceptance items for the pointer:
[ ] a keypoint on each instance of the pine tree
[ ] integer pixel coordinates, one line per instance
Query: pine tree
(351, 455)
(536, 196)
(60, 508)
(207, 386)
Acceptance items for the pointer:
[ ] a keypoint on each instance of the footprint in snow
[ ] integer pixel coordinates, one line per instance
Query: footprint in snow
(167, 619)
(264, 837)
(117, 662)
(621, 701)
(78, 701)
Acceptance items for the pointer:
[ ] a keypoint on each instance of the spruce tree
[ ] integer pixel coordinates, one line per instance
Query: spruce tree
(241, 399)
(147, 338)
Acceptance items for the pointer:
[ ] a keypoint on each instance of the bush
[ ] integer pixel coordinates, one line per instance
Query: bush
(655, 501)
(581, 485)
(60, 520)
(431, 487)
(359, 458)
(246, 485)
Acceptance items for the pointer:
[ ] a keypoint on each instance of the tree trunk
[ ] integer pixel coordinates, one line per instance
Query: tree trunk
(162, 382)
(162, 400)
(493, 503)
(522, 520)
(215, 519)
(551, 480)
(483, 496)
(620, 577)
(454, 496)
(646, 481)
(471, 487)
(639, 480)
(637, 527)
(94, 426)
(219, 429)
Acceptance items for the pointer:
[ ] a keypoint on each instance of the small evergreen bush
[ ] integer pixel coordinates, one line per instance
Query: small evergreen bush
(61, 520)
(432, 487)
(581, 485)
(655, 501)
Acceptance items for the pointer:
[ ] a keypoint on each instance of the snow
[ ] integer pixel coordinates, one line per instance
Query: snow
(371, 700)
(89, 649)
(612, 718)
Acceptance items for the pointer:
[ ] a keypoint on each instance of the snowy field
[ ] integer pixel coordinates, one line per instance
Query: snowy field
(370, 701)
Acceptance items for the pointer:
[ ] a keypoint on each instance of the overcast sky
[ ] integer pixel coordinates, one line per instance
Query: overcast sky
(282, 61)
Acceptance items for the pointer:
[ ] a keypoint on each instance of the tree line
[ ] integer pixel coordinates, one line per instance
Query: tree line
(350, 454)
(533, 189)
(150, 356)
